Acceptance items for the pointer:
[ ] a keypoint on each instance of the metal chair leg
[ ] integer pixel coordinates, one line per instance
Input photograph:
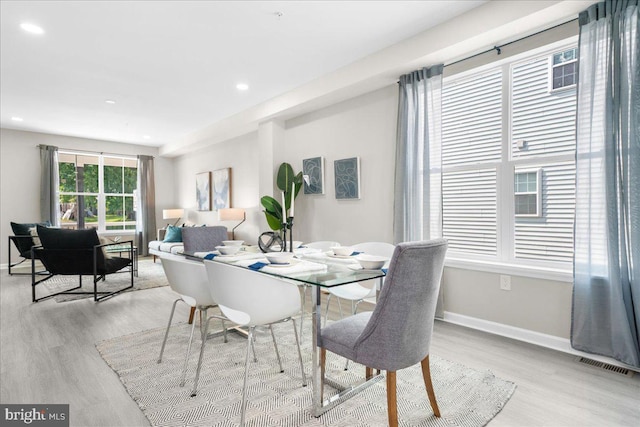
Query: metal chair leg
(275, 345)
(195, 381)
(243, 405)
(295, 333)
(166, 334)
(186, 357)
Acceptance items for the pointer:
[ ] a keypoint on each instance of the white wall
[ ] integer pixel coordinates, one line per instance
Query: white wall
(242, 156)
(20, 175)
(364, 126)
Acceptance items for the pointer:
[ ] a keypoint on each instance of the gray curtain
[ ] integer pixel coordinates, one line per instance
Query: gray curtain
(146, 206)
(49, 184)
(418, 181)
(606, 294)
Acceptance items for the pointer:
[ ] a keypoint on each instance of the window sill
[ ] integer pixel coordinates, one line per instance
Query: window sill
(555, 274)
(117, 233)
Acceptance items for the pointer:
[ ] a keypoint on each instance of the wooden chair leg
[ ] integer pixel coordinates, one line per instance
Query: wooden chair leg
(368, 373)
(392, 403)
(323, 360)
(191, 313)
(426, 375)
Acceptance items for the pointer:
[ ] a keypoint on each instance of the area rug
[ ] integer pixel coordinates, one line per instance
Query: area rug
(150, 275)
(466, 397)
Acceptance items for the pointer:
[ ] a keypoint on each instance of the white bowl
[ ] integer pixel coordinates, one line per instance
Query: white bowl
(279, 257)
(232, 242)
(342, 250)
(228, 250)
(371, 262)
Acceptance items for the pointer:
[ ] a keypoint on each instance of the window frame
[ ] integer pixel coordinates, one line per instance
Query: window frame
(505, 262)
(537, 192)
(101, 195)
(552, 66)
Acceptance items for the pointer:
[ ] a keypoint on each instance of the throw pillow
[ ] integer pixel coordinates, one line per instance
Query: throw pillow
(34, 232)
(173, 235)
(105, 241)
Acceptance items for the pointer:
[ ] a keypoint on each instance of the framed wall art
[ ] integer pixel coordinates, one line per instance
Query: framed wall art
(313, 173)
(222, 188)
(347, 177)
(203, 191)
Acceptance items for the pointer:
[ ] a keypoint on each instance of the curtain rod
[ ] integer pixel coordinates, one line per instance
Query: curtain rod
(102, 153)
(498, 48)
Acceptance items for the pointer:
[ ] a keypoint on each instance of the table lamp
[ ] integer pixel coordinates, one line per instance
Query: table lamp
(232, 214)
(172, 213)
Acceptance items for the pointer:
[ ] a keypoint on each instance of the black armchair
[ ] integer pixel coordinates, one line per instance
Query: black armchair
(77, 253)
(23, 241)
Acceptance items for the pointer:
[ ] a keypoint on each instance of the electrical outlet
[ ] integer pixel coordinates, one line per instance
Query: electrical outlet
(505, 282)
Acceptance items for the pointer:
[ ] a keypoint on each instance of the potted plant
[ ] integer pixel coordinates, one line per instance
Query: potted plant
(278, 214)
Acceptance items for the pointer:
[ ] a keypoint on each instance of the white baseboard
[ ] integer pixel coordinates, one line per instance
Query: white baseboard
(529, 336)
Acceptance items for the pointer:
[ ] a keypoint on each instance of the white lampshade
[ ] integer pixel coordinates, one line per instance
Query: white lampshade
(172, 213)
(231, 214)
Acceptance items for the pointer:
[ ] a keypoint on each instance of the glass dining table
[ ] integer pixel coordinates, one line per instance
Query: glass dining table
(326, 272)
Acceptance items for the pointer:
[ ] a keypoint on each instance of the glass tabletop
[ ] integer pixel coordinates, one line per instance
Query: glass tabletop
(334, 275)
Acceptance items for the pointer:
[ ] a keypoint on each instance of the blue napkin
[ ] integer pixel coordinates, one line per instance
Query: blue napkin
(210, 256)
(354, 253)
(384, 270)
(257, 265)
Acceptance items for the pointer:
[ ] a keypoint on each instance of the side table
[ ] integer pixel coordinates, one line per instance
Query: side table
(119, 249)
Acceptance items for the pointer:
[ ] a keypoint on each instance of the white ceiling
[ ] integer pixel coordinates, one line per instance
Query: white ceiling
(172, 67)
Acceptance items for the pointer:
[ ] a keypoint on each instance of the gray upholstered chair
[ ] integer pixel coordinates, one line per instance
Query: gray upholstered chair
(397, 334)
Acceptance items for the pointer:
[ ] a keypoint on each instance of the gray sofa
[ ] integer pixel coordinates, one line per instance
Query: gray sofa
(194, 239)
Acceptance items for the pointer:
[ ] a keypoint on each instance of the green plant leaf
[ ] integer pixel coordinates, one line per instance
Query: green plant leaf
(271, 205)
(274, 222)
(285, 177)
(298, 180)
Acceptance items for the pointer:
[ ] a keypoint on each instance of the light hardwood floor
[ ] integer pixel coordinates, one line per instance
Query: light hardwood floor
(48, 355)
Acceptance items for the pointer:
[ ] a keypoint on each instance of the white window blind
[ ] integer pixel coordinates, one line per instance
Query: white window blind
(472, 120)
(469, 211)
(544, 120)
(550, 238)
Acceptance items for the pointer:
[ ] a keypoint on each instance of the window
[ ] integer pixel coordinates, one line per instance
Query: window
(97, 191)
(564, 71)
(508, 160)
(527, 193)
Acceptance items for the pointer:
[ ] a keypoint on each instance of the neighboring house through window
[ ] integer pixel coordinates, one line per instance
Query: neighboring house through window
(508, 147)
(97, 191)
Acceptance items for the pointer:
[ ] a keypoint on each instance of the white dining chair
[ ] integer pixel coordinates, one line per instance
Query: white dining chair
(189, 280)
(250, 298)
(358, 292)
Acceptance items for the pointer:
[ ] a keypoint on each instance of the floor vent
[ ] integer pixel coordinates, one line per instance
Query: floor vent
(606, 366)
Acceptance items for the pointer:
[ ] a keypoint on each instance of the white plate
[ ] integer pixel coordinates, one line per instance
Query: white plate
(288, 264)
(340, 256)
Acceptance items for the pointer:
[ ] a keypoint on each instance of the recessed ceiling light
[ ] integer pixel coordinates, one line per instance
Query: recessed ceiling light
(110, 101)
(16, 119)
(242, 86)
(31, 28)
(146, 137)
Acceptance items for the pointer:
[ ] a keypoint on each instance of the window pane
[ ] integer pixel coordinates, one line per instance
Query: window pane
(113, 179)
(68, 211)
(89, 183)
(67, 176)
(89, 205)
(526, 204)
(130, 179)
(115, 209)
